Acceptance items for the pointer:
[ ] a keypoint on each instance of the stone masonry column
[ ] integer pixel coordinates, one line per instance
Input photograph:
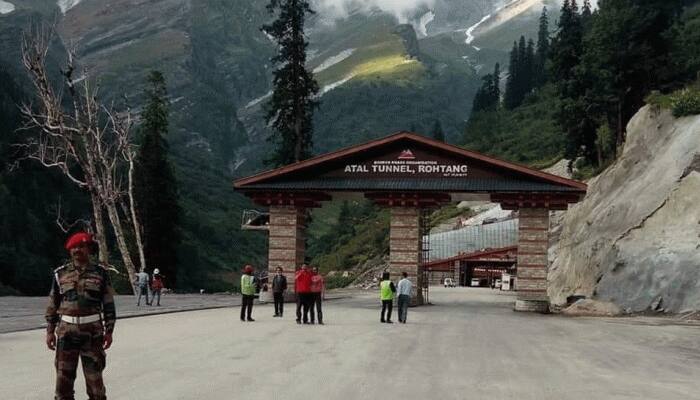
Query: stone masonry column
(405, 248)
(286, 243)
(533, 243)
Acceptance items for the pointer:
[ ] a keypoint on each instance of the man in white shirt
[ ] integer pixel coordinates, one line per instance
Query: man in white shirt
(404, 290)
(142, 286)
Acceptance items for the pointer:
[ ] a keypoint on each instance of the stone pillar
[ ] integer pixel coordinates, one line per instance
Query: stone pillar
(533, 244)
(405, 248)
(286, 243)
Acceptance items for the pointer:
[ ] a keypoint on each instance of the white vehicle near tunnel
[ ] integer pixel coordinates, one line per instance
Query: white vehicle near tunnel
(449, 282)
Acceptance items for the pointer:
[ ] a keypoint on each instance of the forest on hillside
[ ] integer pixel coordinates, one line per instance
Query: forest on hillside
(570, 92)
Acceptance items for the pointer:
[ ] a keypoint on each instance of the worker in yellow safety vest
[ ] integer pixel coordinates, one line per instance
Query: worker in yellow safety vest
(247, 292)
(386, 294)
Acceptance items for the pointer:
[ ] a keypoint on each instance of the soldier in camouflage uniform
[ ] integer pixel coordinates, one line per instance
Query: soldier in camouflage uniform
(80, 317)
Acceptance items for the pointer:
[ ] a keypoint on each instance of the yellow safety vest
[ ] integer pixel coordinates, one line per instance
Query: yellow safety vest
(247, 286)
(385, 292)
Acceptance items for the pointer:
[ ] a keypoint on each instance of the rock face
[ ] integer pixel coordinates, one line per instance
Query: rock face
(592, 308)
(635, 239)
(410, 39)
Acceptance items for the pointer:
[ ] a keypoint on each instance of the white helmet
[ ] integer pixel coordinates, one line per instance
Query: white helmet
(156, 271)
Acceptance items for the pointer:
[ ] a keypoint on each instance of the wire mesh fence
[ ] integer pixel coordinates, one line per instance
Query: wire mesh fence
(472, 238)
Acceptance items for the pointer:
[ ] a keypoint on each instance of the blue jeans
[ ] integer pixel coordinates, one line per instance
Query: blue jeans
(404, 299)
(143, 291)
(153, 296)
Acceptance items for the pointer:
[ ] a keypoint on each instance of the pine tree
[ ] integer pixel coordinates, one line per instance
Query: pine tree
(628, 50)
(542, 52)
(586, 13)
(290, 110)
(488, 96)
(572, 85)
(567, 47)
(510, 98)
(523, 70)
(529, 68)
(521, 73)
(496, 86)
(346, 226)
(438, 133)
(155, 188)
(481, 99)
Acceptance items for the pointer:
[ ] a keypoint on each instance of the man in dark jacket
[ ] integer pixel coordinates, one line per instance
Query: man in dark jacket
(279, 286)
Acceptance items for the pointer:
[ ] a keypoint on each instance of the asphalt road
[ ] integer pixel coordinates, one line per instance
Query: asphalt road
(468, 345)
(25, 313)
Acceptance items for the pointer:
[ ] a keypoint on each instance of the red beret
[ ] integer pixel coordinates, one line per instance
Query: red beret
(78, 238)
(248, 269)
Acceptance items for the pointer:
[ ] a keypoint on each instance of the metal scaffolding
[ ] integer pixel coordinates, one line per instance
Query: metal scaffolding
(424, 224)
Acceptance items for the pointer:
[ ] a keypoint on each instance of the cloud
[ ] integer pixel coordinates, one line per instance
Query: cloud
(338, 9)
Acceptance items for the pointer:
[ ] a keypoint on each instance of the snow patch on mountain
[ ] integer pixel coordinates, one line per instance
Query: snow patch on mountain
(331, 61)
(470, 30)
(502, 15)
(254, 102)
(334, 85)
(425, 19)
(6, 7)
(270, 37)
(66, 5)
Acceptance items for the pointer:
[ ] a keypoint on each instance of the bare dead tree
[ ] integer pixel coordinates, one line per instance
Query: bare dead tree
(64, 225)
(122, 129)
(90, 143)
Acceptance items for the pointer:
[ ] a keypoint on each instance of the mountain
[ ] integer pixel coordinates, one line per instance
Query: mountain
(382, 68)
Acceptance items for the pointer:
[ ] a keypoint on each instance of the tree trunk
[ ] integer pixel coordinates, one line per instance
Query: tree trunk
(100, 236)
(121, 242)
(95, 198)
(134, 219)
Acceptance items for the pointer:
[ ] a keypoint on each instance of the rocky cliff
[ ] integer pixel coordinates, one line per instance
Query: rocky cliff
(635, 239)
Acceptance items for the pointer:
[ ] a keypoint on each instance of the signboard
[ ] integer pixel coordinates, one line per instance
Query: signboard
(406, 163)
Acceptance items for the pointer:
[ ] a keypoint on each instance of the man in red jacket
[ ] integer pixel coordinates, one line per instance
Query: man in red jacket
(302, 287)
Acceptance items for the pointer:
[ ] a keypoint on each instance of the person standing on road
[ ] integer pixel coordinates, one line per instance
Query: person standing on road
(142, 286)
(80, 319)
(156, 286)
(386, 294)
(302, 289)
(404, 289)
(279, 286)
(317, 290)
(247, 293)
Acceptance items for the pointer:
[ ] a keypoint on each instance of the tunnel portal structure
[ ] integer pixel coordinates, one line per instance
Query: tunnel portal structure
(409, 173)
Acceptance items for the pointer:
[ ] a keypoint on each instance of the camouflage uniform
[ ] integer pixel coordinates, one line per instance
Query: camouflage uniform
(76, 292)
